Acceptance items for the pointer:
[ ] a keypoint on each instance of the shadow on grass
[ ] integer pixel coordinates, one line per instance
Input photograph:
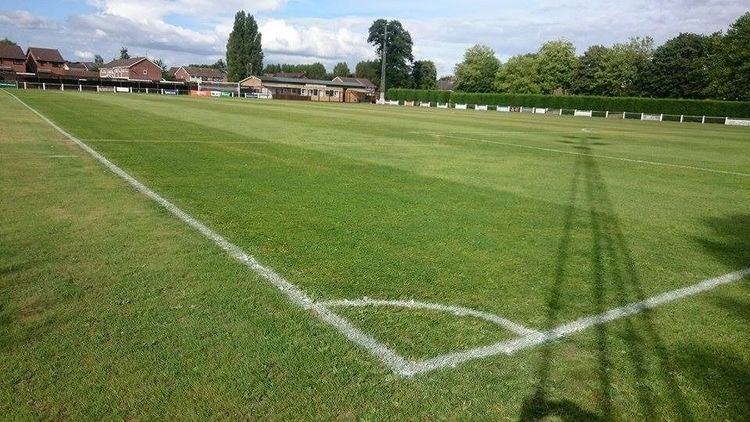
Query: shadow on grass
(721, 373)
(613, 276)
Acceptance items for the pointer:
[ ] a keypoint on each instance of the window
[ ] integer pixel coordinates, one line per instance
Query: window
(145, 71)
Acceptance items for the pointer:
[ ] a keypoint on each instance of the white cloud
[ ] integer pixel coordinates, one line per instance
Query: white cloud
(84, 55)
(24, 19)
(195, 31)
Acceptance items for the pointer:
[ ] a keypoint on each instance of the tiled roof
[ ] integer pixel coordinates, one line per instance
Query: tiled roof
(46, 54)
(362, 81)
(11, 51)
(123, 62)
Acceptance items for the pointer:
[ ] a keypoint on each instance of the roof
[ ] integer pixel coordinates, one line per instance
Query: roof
(77, 65)
(203, 72)
(11, 51)
(123, 62)
(82, 73)
(340, 84)
(46, 54)
(362, 81)
(291, 75)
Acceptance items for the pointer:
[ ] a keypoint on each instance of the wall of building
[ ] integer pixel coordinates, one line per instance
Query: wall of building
(145, 70)
(35, 66)
(18, 66)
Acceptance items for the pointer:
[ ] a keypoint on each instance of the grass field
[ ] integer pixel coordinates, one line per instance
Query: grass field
(112, 307)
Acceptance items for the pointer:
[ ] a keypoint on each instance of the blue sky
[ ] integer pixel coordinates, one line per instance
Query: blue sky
(299, 31)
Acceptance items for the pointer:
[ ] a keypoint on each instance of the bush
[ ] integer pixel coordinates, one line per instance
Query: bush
(582, 102)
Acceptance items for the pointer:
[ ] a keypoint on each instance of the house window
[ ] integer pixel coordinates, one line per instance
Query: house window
(145, 72)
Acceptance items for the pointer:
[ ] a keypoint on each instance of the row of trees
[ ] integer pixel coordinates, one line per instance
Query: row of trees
(687, 66)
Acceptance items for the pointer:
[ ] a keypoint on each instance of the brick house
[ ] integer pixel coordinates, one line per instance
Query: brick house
(199, 74)
(12, 59)
(45, 61)
(133, 69)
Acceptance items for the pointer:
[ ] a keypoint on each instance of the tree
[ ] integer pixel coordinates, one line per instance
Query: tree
(219, 64)
(244, 48)
(679, 68)
(368, 69)
(556, 66)
(730, 71)
(313, 71)
(624, 65)
(590, 72)
(98, 61)
(424, 75)
(124, 53)
(6, 41)
(399, 55)
(477, 72)
(518, 76)
(341, 69)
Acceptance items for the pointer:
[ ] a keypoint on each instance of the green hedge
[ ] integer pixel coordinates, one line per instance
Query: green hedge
(582, 102)
(419, 95)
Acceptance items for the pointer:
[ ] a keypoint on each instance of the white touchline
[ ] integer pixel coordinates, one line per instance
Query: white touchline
(295, 294)
(390, 358)
(606, 157)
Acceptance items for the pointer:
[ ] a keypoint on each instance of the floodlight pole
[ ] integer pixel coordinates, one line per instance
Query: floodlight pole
(382, 69)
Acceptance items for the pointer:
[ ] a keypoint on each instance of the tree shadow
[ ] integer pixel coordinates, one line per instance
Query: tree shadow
(614, 277)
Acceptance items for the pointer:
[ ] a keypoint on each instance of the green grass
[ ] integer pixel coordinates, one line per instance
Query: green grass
(111, 306)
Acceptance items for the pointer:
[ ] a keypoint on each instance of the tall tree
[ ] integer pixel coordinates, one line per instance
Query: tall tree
(424, 74)
(399, 57)
(124, 53)
(341, 69)
(518, 76)
(368, 69)
(556, 66)
(590, 73)
(477, 72)
(679, 68)
(244, 48)
(731, 68)
(98, 61)
(624, 65)
(6, 41)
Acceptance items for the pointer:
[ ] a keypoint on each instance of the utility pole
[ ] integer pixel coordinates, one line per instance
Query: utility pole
(382, 70)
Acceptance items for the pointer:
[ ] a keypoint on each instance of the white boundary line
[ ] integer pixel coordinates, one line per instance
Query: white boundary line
(565, 330)
(607, 157)
(292, 292)
(389, 357)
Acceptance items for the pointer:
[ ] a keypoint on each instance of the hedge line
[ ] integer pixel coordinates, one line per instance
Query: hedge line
(582, 102)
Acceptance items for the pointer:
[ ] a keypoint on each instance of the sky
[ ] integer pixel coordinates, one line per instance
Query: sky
(305, 31)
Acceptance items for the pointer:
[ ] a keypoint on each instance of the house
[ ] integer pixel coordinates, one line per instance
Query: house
(199, 74)
(310, 89)
(45, 61)
(133, 69)
(12, 59)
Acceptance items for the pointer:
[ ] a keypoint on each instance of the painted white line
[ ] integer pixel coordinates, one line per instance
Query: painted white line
(455, 310)
(511, 346)
(606, 157)
(292, 292)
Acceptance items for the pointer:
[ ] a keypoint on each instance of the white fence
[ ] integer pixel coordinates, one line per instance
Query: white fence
(480, 108)
(737, 122)
(461, 106)
(583, 113)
